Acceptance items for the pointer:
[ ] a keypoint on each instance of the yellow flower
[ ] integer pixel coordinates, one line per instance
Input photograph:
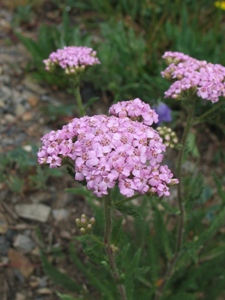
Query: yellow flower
(220, 4)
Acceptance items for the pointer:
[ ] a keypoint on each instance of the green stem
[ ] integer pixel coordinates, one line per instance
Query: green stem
(94, 238)
(214, 107)
(108, 248)
(171, 264)
(179, 175)
(79, 100)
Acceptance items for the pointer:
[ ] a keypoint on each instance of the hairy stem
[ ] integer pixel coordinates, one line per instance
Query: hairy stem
(179, 176)
(79, 100)
(108, 248)
(171, 264)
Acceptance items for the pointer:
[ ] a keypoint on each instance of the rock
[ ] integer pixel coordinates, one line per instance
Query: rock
(20, 109)
(40, 197)
(24, 243)
(33, 101)
(60, 214)
(10, 235)
(20, 296)
(20, 262)
(36, 251)
(44, 291)
(27, 148)
(4, 246)
(3, 224)
(36, 212)
(33, 87)
(27, 116)
(65, 235)
(43, 281)
(34, 282)
(9, 118)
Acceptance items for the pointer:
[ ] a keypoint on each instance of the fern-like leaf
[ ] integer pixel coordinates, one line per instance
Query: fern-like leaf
(128, 210)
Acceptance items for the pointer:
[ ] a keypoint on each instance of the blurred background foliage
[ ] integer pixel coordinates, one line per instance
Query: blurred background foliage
(130, 38)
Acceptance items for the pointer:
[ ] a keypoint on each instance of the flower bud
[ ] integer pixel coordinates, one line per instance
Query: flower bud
(83, 231)
(174, 181)
(78, 222)
(114, 248)
(83, 221)
(92, 221)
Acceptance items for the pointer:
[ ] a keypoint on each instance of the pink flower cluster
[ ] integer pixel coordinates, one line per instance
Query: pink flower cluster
(110, 150)
(207, 80)
(71, 59)
(136, 110)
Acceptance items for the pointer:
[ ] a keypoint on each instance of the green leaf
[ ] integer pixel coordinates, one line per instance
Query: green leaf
(99, 283)
(128, 210)
(142, 270)
(192, 146)
(90, 102)
(66, 297)
(116, 232)
(79, 191)
(58, 277)
(70, 172)
(215, 225)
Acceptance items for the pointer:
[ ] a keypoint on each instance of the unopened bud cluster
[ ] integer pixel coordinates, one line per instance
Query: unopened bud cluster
(85, 224)
(169, 137)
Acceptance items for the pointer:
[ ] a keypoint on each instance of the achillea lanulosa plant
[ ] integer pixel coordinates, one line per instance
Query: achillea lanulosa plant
(123, 150)
(105, 151)
(191, 79)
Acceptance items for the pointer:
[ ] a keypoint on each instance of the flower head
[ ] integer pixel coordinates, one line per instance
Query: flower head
(136, 110)
(72, 59)
(164, 113)
(206, 80)
(220, 4)
(111, 150)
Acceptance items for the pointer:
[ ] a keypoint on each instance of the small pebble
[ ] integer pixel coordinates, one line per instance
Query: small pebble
(24, 243)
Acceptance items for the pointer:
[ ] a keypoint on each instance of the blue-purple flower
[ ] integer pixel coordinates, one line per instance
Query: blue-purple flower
(164, 113)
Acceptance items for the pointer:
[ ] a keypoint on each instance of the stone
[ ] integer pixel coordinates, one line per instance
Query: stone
(37, 212)
(20, 296)
(20, 262)
(27, 148)
(33, 101)
(27, 116)
(40, 197)
(3, 224)
(60, 214)
(20, 109)
(33, 87)
(44, 291)
(24, 243)
(4, 246)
